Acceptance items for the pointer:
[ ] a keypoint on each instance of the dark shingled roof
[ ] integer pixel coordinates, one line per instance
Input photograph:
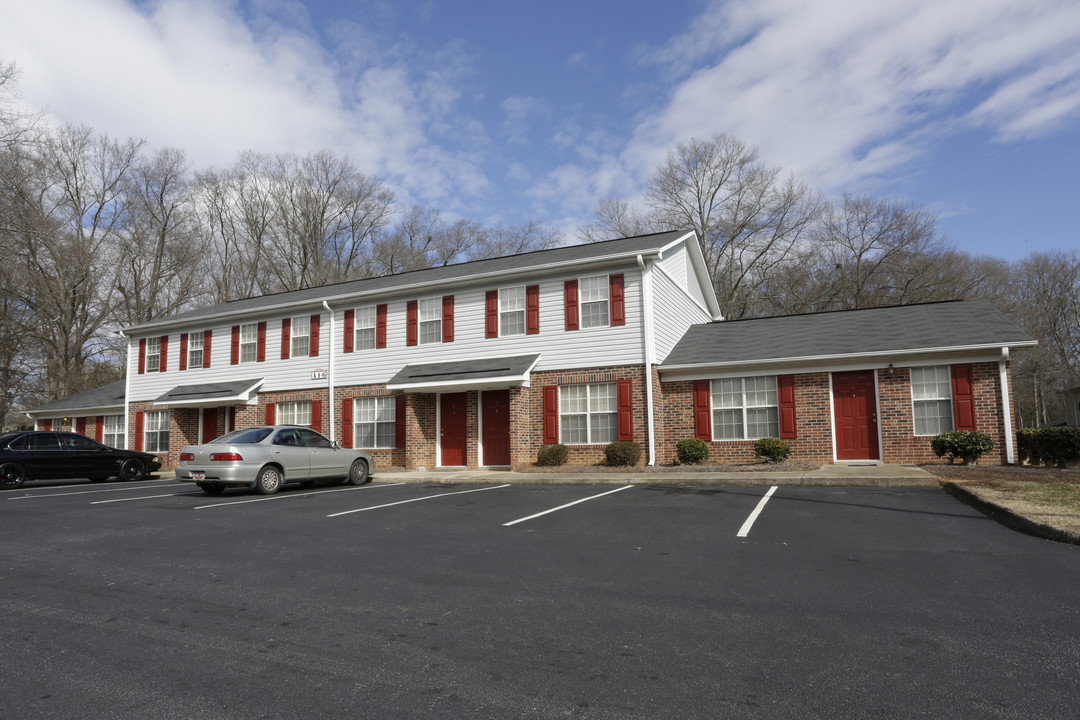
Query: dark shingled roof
(106, 396)
(497, 368)
(206, 391)
(932, 326)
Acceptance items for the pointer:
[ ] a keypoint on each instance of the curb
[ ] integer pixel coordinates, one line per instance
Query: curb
(1008, 518)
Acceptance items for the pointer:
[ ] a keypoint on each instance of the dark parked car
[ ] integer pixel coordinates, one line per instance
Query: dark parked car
(43, 455)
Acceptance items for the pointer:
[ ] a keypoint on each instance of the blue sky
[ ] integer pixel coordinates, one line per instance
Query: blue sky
(502, 112)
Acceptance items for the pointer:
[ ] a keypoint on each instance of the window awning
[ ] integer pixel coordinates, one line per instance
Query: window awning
(235, 392)
(485, 374)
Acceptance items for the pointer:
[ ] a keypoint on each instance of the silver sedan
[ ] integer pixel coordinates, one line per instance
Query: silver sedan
(267, 457)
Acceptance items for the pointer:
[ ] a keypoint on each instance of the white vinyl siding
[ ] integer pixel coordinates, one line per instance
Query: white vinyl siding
(931, 396)
(195, 349)
(587, 414)
(430, 320)
(365, 328)
(156, 431)
(745, 408)
(153, 354)
(300, 329)
(594, 301)
(375, 426)
(294, 413)
(249, 342)
(512, 311)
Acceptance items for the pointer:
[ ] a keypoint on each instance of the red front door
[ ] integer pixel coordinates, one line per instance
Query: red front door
(209, 424)
(453, 423)
(855, 411)
(496, 419)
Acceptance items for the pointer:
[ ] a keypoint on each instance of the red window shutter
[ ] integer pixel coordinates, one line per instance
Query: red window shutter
(142, 356)
(234, 353)
(99, 427)
(164, 352)
(532, 309)
(206, 349)
(316, 415)
(347, 422)
(785, 385)
(448, 318)
(80, 425)
(963, 394)
(183, 350)
(551, 414)
(140, 423)
(400, 425)
(286, 338)
(624, 405)
(618, 300)
(380, 325)
(491, 314)
(570, 296)
(46, 424)
(350, 332)
(411, 322)
(260, 348)
(313, 339)
(702, 421)
(271, 413)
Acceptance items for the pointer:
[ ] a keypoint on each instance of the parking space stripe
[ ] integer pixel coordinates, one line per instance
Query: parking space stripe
(563, 507)
(92, 492)
(426, 497)
(294, 495)
(144, 497)
(745, 529)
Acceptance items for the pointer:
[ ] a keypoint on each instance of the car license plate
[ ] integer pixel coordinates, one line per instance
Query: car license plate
(197, 476)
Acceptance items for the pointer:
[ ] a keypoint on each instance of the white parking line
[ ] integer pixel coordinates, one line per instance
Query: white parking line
(562, 507)
(144, 497)
(426, 497)
(91, 492)
(745, 529)
(293, 495)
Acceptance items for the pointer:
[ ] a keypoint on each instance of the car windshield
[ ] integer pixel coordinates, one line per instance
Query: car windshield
(243, 437)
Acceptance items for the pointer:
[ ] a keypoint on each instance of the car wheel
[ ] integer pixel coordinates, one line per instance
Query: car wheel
(132, 469)
(358, 473)
(12, 475)
(211, 488)
(269, 480)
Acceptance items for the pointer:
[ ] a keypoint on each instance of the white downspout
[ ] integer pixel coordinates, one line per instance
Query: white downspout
(1006, 409)
(127, 388)
(650, 352)
(330, 367)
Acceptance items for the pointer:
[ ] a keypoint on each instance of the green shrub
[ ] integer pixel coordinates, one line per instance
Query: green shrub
(623, 452)
(1056, 445)
(772, 449)
(692, 451)
(556, 454)
(1026, 439)
(966, 445)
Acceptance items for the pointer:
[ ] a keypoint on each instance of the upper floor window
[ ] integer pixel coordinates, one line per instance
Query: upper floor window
(931, 394)
(587, 413)
(249, 342)
(431, 320)
(195, 351)
(745, 408)
(365, 328)
(153, 354)
(512, 311)
(301, 336)
(594, 301)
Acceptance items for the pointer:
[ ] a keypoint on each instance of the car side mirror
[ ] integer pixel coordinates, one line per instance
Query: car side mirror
(334, 444)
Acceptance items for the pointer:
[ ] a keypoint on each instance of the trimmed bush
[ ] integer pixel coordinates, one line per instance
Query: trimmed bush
(552, 455)
(623, 452)
(1026, 439)
(772, 449)
(966, 445)
(1055, 445)
(692, 451)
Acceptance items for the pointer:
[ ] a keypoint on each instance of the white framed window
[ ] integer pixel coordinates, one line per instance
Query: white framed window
(511, 311)
(195, 350)
(156, 431)
(365, 328)
(931, 397)
(249, 342)
(430, 320)
(294, 413)
(153, 354)
(745, 408)
(587, 414)
(594, 301)
(112, 434)
(300, 329)
(375, 425)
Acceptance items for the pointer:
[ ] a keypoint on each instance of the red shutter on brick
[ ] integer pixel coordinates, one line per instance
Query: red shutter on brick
(140, 423)
(234, 352)
(99, 427)
(164, 352)
(46, 424)
(380, 325)
(570, 301)
(350, 331)
(271, 413)
(313, 340)
(963, 389)
(206, 349)
(532, 309)
(347, 422)
(624, 405)
(286, 338)
(551, 414)
(80, 425)
(400, 425)
(183, 351)
(491, 314)
(448, 318)
(411, 322)
(316, 415)
(142, 356)
(260, 348)
(618, 300)
(785, 385)
(702, 419)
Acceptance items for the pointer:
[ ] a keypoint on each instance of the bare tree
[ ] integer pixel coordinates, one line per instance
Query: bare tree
(615, 218)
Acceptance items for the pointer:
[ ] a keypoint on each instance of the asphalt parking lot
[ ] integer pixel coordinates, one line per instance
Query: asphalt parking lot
(151, 599)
